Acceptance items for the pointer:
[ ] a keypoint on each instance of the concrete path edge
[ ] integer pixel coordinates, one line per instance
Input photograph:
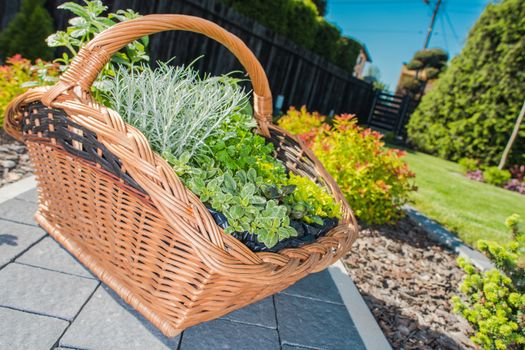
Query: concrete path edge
(441, 235)
(15, 189)
(370, 332)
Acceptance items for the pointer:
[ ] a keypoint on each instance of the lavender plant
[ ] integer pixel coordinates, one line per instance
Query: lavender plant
(177, 109)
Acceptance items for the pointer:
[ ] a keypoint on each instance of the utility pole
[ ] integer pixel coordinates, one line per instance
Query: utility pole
(432, 21)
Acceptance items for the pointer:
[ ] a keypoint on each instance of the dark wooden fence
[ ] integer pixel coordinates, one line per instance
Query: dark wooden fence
(298, 75)
(391, 113)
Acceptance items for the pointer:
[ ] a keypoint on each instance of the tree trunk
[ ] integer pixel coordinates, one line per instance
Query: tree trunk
(512, 138)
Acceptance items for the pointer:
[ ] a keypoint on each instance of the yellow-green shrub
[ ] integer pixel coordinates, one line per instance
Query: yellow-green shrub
(494, 301)
(375, 180)
(17, 72)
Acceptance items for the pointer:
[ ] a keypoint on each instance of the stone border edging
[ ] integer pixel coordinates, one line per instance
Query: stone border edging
(439, 234)
(367, 327)
(16, 188)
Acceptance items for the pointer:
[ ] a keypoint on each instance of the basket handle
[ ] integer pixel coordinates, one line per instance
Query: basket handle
(90, 60)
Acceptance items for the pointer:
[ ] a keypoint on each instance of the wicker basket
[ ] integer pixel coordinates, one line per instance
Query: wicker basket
(120, 209)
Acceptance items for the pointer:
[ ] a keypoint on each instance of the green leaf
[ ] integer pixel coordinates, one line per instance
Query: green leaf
(75, 8)
(248, 191)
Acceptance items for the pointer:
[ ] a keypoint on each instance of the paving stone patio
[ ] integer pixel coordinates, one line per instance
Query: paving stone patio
(48, 300)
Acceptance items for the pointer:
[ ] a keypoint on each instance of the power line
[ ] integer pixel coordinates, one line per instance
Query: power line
(454, 33)
(444, 32)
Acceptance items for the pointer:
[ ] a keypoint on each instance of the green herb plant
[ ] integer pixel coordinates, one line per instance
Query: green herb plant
(88, 22)
(202, 128)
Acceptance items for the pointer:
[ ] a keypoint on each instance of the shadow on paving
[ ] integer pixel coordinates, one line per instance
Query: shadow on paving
(8, 240)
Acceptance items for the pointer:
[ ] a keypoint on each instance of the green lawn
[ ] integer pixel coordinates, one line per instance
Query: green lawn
(471, 209)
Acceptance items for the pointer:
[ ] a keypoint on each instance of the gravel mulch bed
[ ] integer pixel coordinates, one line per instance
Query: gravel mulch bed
(14, 160)
(407, 282)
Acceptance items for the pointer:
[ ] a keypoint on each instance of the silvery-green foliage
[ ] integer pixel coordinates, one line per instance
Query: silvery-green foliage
(174, 107)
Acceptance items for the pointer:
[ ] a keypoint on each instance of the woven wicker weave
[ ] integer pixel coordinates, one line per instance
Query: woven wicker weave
(120, 209)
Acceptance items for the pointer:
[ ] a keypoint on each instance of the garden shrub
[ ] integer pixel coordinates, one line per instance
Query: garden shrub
(468, 164)
(326, 39)
(26, 32)
(18, 74)
(347, 52)
(270, 13)
(375, 180)
(495, 176)
(494, 301)
(302, 22)
(301, 122)
(472, 108)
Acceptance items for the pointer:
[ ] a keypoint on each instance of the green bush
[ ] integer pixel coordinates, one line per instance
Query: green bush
(25, 34)
(495, 176)
(468, 164)
(347, 52)
(375, 180)
(18, 73)
(302, 22)
(494, 301)
(321, 6)
(326, 39)
(471, 109)
(270, 13)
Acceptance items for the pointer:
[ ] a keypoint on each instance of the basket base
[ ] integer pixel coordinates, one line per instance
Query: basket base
(101, 272)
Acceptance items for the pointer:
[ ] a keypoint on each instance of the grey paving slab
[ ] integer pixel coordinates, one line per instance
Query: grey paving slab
(293, 347)
(22, 330)
(29, 196)
(261, 314)
(19, 211)
(15, 238)
(224, 334)
(106, 322)
(50, 255)
(317, 286)
(315, 324)
(44, 292)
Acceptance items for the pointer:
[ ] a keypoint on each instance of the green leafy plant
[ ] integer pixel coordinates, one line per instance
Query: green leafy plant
(494, 301)
(468, 164)
(25, 33)
(494, 176)
(471, 109)
(201, 126)
(375, 180)
(146, 100)
(83, 28)
(18, 74)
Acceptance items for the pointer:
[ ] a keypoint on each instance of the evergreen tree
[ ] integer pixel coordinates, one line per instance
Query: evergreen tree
(470, 112)
(27, 31)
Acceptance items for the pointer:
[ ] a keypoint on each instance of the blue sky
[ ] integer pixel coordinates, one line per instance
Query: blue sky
(393, 30)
